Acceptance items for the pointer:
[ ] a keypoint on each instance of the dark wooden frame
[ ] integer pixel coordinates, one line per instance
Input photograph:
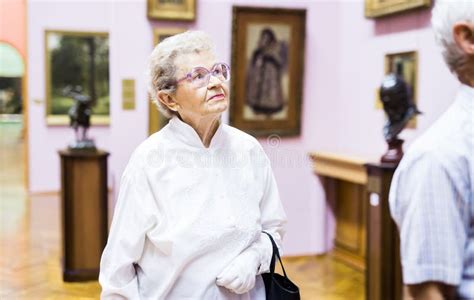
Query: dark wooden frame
(296, 18)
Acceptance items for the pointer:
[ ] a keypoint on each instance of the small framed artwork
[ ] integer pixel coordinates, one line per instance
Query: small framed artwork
(156, 120)
(380, 8)
(405, 64)
(77, 67)
(183, 10)
(267, 70)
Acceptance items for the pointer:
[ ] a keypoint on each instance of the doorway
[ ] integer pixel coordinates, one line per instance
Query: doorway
(13, 120)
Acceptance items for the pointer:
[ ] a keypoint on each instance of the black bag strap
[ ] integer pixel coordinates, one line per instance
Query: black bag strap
(275, 253)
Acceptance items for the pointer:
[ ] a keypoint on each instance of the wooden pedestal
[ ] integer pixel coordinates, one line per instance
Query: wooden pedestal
(84, 213)
(383, 273)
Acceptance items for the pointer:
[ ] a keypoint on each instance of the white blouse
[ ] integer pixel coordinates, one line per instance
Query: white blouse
(184, 212)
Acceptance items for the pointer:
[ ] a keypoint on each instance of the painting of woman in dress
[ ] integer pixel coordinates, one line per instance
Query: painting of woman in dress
(267, 65)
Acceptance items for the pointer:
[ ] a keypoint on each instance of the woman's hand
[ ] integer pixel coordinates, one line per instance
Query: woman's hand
(239, 275)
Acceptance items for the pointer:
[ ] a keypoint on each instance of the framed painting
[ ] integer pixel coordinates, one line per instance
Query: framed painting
(267, 70)
(405, 64)
(380, 8)
(183, 10)
(156, 120)
(77, 63)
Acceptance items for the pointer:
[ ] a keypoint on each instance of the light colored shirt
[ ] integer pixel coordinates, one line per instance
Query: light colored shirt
(184, 212)
(431, 200)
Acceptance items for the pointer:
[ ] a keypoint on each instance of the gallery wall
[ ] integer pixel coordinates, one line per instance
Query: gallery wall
(343, 67)
(364, 44)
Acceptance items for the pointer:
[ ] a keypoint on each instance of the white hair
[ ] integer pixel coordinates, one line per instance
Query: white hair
(444, 15)
(162, 68)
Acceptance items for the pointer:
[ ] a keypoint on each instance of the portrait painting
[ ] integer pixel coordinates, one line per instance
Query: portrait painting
(156, 120)
(267, 70)
(405, 65)
(77, 63)
(182, 10)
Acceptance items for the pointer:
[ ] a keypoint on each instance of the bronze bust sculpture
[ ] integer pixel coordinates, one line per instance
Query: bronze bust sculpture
(396, 96)
(79, 116)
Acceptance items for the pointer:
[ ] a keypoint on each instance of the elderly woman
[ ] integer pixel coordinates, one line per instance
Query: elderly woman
(195, 196)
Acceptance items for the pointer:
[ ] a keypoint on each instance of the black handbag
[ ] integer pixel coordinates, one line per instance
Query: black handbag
(278, 287)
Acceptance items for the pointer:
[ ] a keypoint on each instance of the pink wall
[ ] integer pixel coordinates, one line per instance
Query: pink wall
(344, 65)
(361, 66)
(13, 24)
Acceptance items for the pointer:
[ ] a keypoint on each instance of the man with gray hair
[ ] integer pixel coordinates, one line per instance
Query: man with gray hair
(432, 192)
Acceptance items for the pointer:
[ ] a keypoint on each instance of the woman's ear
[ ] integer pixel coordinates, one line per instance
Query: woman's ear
(463, 33)
(168, 100)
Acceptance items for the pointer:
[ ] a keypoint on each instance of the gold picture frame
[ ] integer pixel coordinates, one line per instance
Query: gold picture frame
(380, 8)
(268, 48)
(156, 120)
(62, 46)
(405, 64)
(182, 10)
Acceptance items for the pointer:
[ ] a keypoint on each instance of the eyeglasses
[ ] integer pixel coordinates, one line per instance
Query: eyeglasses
(200, 76)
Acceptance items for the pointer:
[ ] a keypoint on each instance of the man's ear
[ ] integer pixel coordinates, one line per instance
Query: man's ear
(168, 100)
(463, 33)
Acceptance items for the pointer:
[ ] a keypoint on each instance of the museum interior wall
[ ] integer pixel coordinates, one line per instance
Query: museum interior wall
(344, 64)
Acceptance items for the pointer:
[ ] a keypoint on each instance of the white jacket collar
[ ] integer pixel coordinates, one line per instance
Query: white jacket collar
(186, 134)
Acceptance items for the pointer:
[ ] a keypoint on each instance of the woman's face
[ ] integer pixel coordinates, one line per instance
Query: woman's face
(195, 103)
(264, 40)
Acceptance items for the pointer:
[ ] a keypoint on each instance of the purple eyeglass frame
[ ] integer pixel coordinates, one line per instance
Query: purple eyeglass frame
(188, 76)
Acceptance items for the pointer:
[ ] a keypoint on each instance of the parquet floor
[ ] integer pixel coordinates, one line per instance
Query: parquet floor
(30, 253)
